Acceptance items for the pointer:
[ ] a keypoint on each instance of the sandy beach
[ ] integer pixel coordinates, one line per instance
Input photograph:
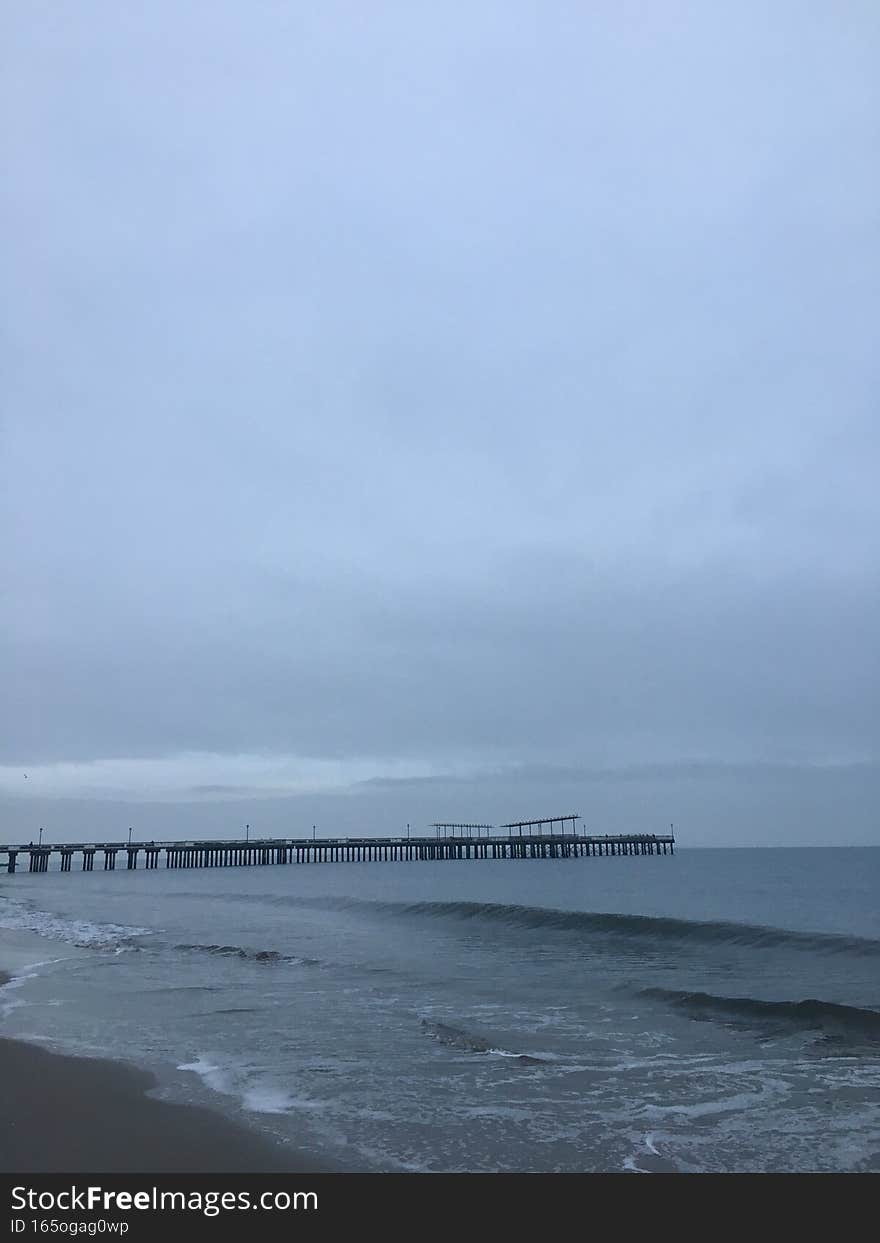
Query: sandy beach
(88, 1115)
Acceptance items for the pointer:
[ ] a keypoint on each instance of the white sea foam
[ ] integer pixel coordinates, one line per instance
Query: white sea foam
(526, 1059)
(216, 1077)
(255, 1092)
(704, 1109)
(81, 932)
(9, 1002)
(647, 1159)
(263, 1098)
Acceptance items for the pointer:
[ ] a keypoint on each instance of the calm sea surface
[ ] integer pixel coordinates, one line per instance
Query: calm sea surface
(719, 1010)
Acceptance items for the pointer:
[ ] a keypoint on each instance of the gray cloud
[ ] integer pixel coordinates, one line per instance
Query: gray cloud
(450, 391)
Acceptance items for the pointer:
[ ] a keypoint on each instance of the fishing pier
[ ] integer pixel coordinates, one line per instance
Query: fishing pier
(521, 839)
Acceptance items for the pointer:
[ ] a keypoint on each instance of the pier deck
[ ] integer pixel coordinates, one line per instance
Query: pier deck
(256, 851)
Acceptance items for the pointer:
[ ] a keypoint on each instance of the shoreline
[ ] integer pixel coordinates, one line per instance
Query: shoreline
(70, 1114)
(65, 1114)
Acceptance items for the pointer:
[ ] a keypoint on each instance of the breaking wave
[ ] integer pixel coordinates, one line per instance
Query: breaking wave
(455, 1037)
(469, 1042)
(239, 951)
(811, 1014)
(79, 932)
(649, 927)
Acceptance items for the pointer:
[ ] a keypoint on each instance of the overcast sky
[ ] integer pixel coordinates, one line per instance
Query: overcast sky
(424, 410)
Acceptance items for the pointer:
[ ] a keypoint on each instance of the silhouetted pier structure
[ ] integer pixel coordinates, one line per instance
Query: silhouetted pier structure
(450, 842)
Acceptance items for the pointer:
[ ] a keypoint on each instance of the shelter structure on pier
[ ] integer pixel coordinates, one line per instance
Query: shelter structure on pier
(462, 830)
(536, 827)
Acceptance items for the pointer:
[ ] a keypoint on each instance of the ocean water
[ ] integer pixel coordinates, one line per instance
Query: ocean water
(718, 1010)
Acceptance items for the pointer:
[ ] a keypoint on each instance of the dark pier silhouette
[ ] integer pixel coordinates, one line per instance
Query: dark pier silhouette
(523, 839)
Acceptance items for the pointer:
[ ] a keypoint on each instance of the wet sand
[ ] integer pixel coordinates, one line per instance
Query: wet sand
(86, 1115)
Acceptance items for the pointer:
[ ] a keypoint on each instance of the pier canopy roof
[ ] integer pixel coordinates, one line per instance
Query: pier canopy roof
(533, 826)
(462, 830)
